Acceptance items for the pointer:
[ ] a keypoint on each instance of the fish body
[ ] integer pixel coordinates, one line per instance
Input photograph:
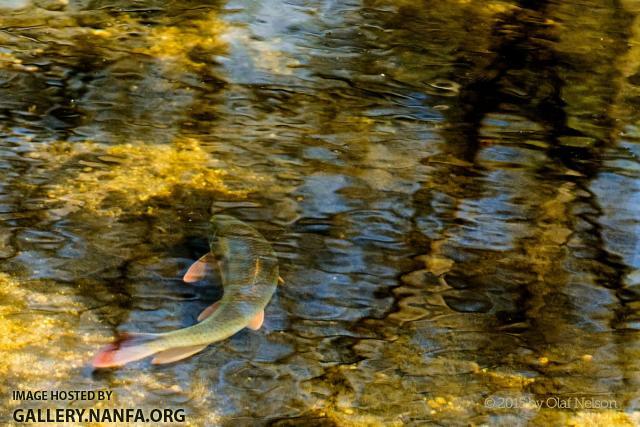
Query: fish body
(249, 271)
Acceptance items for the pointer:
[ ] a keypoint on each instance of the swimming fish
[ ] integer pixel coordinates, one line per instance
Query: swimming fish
(249, 272)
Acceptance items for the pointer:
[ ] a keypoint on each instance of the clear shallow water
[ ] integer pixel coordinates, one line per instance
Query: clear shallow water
(452, 189)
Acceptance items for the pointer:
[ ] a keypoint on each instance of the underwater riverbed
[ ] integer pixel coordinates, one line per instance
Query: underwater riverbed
(452, 188)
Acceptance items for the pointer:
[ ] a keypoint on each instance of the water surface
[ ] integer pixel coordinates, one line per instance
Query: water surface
(452, 188)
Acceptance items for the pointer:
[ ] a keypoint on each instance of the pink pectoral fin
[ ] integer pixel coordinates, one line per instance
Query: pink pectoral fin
(177, 353)
(198, 269)
(208, 311)
(257, 321)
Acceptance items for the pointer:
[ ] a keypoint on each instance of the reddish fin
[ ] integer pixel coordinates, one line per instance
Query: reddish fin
(127, 348)
(177, 353)
(208, 311)
(257, 321)
(198, 269)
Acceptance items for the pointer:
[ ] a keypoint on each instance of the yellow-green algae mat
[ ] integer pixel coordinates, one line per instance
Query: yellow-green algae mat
(41, 350)
(135, 174)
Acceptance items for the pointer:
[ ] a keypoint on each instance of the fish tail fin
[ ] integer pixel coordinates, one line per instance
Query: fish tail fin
(127, 348)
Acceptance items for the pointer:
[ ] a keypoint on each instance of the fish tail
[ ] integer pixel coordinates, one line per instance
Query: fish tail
(127, 348)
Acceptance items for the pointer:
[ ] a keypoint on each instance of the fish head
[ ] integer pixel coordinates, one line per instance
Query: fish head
(230, 227)
(223, 224)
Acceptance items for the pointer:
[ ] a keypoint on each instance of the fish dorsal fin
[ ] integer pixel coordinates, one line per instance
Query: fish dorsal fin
(198, 269)
(257, 321)
(208, 311)
(176, 353)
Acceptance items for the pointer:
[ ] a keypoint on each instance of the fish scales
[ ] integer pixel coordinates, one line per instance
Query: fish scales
(249, 272)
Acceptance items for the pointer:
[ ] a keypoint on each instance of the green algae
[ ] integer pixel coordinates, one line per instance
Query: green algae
(582, 419)
(40, 350)
(114, 36)
(136, 176)
(34, 341)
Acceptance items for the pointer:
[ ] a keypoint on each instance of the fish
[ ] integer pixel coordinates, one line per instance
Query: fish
(249, 274)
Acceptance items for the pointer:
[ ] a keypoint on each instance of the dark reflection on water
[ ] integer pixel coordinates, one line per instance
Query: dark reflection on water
(452, 188)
